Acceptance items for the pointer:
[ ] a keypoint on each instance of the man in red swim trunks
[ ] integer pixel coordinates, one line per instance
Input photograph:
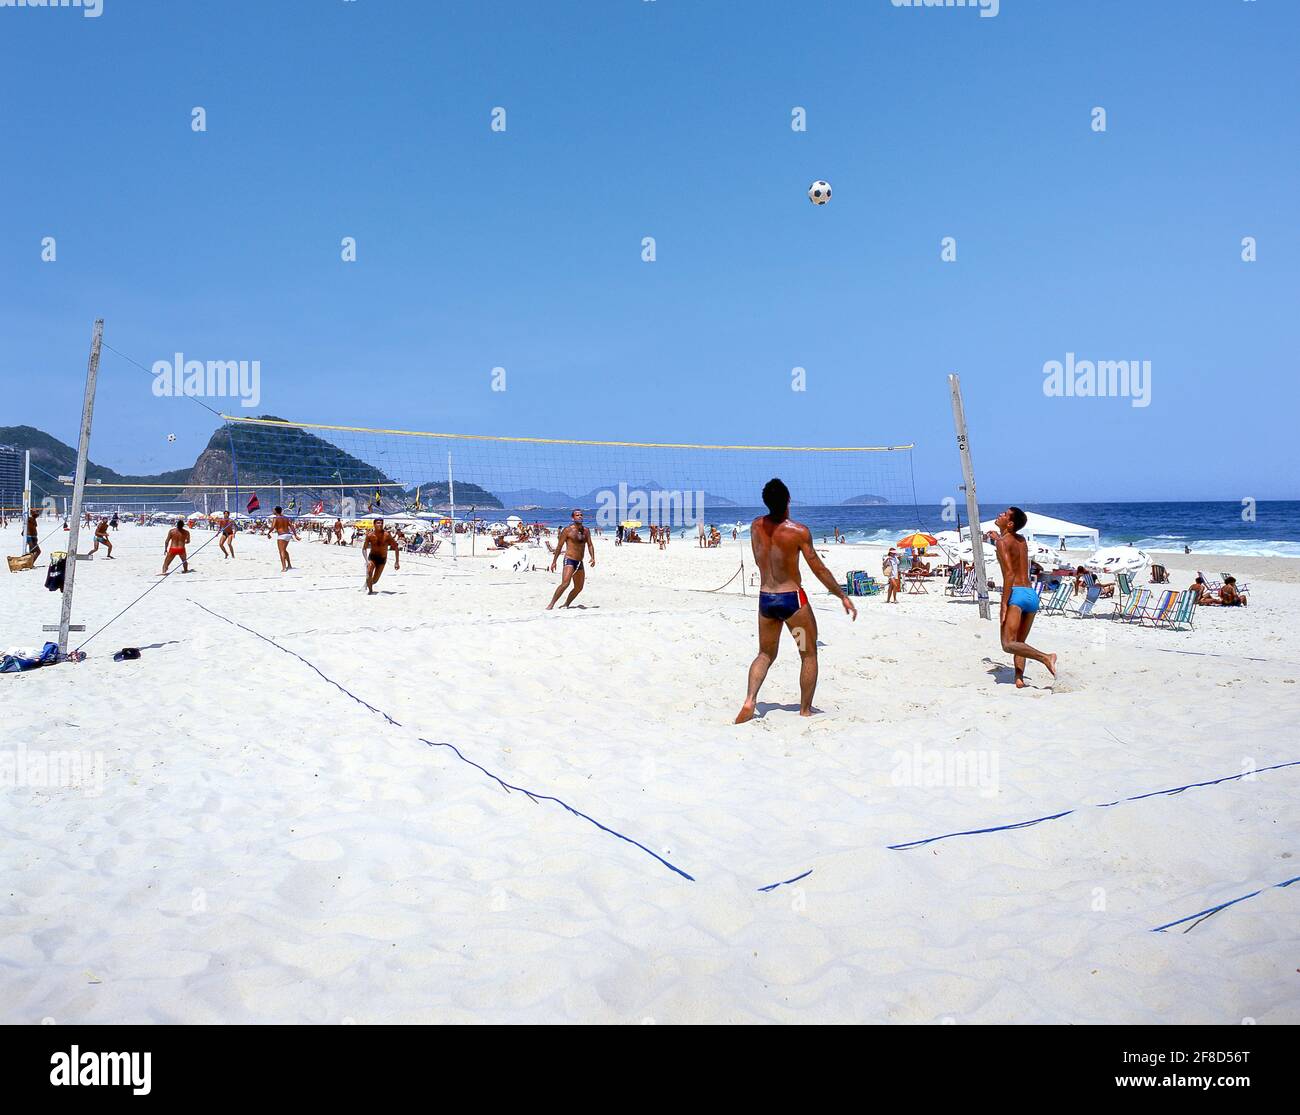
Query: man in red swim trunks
(177, 539)
(778, 541)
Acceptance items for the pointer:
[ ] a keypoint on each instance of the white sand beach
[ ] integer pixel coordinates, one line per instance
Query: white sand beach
(258, 845)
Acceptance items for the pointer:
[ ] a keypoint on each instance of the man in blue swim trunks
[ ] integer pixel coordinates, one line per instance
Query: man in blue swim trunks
(573, 540)
(777, 541)
(1019, 601)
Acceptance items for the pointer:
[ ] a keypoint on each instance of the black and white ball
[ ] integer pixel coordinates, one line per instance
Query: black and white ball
(171, 437)
(819, 193)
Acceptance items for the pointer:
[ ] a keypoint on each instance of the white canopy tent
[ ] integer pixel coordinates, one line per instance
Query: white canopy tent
(1051, 532)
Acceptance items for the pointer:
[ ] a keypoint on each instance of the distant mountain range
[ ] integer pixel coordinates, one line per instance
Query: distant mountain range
(51, 459)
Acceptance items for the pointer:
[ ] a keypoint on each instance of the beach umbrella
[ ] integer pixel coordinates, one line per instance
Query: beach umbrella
(966, 552)
(1044, 555)
(917, 541)
(1118, 559)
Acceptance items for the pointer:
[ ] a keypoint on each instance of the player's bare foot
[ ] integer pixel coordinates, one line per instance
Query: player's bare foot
(1051, 664)
(746, 714)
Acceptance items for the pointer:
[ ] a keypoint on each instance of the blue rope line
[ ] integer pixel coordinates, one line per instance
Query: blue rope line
(532, 795)
(787, 882)
(1222, 906)
(977, 832)
(1101, 805)
(1197, 785)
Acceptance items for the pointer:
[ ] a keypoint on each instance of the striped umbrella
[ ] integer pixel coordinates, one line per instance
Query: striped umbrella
(917, 541)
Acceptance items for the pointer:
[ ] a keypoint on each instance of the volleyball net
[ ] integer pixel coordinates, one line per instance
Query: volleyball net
(351, 471)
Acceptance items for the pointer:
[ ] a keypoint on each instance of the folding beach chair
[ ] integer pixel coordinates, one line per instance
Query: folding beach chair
(1155, 612)
(1213, 586)
(953, 587)
(1240, 587)
(1085, 609)
(1123, 590)
(1133, 605)
(1059, 601)
(1183, 612)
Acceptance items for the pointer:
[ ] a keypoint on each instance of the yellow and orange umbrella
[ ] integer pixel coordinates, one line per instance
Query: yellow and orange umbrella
(917, 541)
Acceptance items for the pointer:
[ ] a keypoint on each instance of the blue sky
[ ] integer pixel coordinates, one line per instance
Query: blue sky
(671, 119)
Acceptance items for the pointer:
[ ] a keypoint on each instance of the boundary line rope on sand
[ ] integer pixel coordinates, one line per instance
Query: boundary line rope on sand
(530, 794)
(1098, 805)
(785, 882)
(1203, 914)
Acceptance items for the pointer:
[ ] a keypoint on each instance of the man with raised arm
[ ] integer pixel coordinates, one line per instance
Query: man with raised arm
(1019, 601)
(573, 541)
(778, 541)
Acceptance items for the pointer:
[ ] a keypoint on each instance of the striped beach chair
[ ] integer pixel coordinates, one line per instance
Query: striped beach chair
(1133, 605)
(1059, 601)
(1183, 612)
(1159, 612)
(1089, 602)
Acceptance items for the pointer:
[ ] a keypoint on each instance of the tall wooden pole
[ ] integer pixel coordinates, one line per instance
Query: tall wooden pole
(972, 502)
(78, 490)
(451, 499)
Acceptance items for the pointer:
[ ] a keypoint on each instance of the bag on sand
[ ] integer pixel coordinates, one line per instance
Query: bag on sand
(54, 575)
(14, 664)
(27, 561)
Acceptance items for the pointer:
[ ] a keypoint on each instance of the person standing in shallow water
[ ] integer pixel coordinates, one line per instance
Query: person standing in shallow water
(778, 542)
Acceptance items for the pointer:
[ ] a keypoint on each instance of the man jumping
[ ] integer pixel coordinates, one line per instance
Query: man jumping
(572, 541)
(777, 542)
(1019, 601)
(375, 550)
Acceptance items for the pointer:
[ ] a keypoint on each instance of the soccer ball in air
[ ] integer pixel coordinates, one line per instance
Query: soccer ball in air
(171, 437)
(819, 193)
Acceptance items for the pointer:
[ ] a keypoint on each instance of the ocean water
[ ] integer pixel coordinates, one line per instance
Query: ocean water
(1214, 528)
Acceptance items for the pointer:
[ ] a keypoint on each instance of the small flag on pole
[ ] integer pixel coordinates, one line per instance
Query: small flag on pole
(253, 503)
(318, 507)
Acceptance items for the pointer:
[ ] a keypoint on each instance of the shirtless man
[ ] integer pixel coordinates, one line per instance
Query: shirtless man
(375, 550)
(226, 529)
(1019, 601)
(101, 539)
(777, 541)
(177, 539)
(572, 541)
(338, 532)
(32, 534)
(284, 532)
